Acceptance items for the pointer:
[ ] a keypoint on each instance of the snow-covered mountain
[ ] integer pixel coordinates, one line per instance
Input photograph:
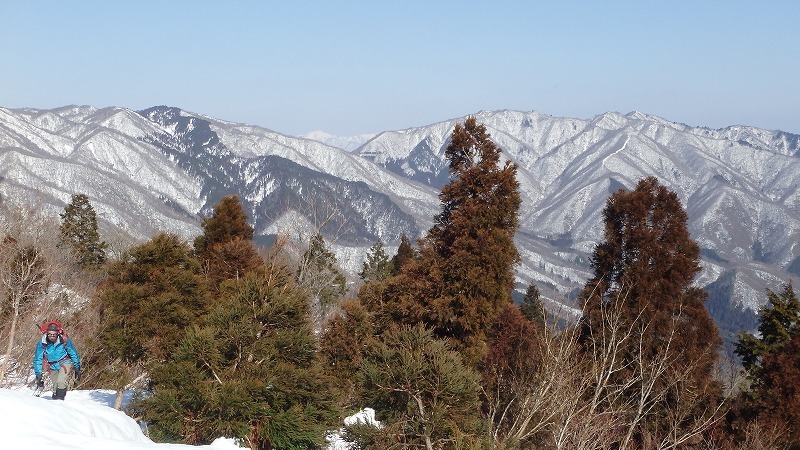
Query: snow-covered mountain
(163, 168)
(348, 143)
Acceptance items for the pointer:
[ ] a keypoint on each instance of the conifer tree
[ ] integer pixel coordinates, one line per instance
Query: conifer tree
(344, 340)
(251, 372)
(405, 253)
(465, 272)
(226, 246)
(778, 400)
(150, 298)
(532, 307)
(377, 265)
(318, 272)
(420, 389)
(227, 223)
(771, 364)
(778, 323)
(645, 267)
(509, 379)
(79, 231)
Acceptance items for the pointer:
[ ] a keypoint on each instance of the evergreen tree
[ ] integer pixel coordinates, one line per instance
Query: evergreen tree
(645, 268)
(251, 372)
(231, 260)
(532, 307)
(226, 246)
(342, 345)
(377, 265)
(771, 362)
(405, 253)
(149, 299)
(465, 272)
(779, 322)
(318, 272)
(79, 231)
(421, 390)
(509, 377)
(778, 402)
(227, 223)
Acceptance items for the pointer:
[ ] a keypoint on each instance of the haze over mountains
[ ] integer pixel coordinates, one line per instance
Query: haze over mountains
(164, 168)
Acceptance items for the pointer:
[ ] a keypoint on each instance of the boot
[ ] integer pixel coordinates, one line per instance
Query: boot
(60, 394)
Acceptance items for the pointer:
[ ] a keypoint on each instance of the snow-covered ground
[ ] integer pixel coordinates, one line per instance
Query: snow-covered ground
(86, 420)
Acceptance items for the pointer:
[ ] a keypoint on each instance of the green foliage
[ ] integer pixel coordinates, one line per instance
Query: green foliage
(150, 298)
(318, 272)
(779, 322)
(227, 223)
(420, 389)
(532, 307)
(771, 362)
(79, 231)
(377, 265)
(251, 372)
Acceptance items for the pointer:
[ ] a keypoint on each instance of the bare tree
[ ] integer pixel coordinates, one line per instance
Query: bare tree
(587, 393)
(36, 277)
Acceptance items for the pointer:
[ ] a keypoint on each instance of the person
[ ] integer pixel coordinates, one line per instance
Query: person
(57, 352)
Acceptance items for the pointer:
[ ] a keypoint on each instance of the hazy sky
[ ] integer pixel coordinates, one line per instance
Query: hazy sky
(349, 67)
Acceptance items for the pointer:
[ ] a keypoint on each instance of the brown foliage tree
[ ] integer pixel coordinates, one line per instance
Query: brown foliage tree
(226, 247)
(646, 266)
(465, 272)
(227, 223)
(405, 253)
(231, 260)
(781, 389)
(508, 372)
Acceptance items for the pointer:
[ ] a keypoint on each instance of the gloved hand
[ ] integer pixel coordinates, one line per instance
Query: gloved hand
(39, 381)
(77, 375)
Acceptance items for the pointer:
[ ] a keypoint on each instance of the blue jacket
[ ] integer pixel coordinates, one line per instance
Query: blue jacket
(56, 352)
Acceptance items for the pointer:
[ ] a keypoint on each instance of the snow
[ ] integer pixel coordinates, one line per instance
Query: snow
(86, 420)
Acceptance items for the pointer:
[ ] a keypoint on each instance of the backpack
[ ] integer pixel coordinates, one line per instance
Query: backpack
(61, 331)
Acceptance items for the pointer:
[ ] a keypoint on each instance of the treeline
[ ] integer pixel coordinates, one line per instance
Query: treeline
(223, 338)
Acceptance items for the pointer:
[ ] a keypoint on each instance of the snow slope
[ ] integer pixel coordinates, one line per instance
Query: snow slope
(85, 420)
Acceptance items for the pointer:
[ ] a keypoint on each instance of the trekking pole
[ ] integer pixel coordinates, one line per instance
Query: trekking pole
(37, 390)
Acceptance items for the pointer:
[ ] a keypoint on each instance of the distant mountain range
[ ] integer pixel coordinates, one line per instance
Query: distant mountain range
(164, 168)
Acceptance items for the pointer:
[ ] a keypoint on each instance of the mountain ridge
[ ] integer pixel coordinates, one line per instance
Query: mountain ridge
(164, 168)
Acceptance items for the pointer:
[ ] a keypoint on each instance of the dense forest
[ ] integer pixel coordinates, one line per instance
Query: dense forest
(274, 346)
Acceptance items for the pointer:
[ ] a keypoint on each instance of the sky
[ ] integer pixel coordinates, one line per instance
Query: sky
(358, 67)
(86, 421)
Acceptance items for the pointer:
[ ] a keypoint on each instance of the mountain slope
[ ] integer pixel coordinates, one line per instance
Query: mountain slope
(163, 168)
(739, 184)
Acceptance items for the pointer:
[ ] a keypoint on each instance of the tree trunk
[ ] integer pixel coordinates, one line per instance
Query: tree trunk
(118, 399)
(11, 335)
